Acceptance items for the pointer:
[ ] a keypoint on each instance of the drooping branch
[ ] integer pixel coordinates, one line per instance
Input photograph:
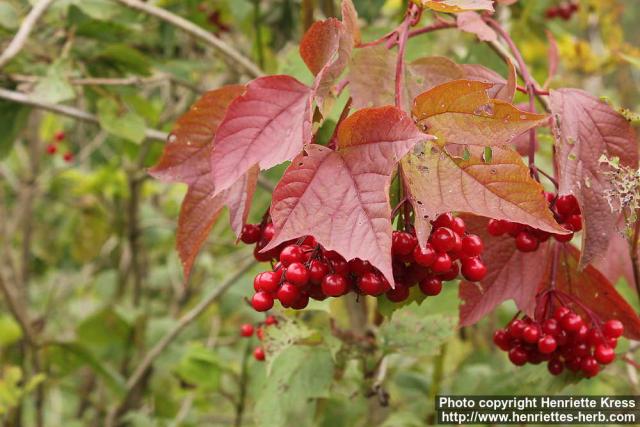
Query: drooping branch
(21, 37)
(196, 31)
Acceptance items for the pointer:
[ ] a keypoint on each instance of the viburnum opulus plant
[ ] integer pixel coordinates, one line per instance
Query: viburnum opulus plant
(421, 181)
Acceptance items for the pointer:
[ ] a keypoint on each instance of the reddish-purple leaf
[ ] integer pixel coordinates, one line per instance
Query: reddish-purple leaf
(428, 72)
(342, 197)
(553, 57)
(616, 262)
(186, 158)
(594, 291)
(266, 126)
(350, 20)
(503, 89)
(472, 23)
(586, 129)
(511, 275)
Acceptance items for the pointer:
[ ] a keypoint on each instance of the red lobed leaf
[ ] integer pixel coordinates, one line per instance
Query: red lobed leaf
(186, 159)
(511, 274)
(342, 197)
(616, 262)
(471, 22)
(586, 128)
(266, 126)
(350, 20)
(502, 88)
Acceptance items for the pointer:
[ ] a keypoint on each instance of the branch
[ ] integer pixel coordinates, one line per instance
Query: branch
(141, 370)
(196, 31)
(25, 29)
(19, 312)
(65, 110)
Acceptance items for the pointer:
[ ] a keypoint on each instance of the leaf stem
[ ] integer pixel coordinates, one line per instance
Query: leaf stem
(634, 253)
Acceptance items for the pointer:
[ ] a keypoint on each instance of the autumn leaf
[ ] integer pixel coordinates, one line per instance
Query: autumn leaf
(456, 6)
(428, 72)
(265, 126)
(350, 20)
(342, 197)
(585, 129)
(437, 181)
(461, 112)
(471, 22)
(593, 290)
(503, 89)
(616, 262)
(512, 275)
(186, 159)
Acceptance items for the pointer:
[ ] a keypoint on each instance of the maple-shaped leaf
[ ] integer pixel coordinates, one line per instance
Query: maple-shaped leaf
(265, 126)
(326, 48)
(437, 181)
(341, 197)
(186, 159)
(511, 275)
(430, 71)
(456, 6)
(461, 112)
(503, 89)
(471, 22)
(592, 290)
(586, 129)
(616, 262)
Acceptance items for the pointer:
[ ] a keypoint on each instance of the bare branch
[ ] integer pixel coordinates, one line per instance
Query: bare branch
(196, 31)
(25, 29)
(66, 110)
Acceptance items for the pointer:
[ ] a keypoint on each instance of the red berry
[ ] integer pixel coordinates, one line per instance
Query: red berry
(497, 227)
(267, 281)
(551, 12)
(594, 337)
(335, 285)
(443, 220)
(547, 344)
(59, 136)
(301, 302)
(531, 334)
(262, 301)
(443, 239)
(571, 322)
(457, 246)
(442, 263)
(611, 342)
(246, 330)
(560, 312)
(291, 254)
(563, 238)
(574, 223)
(315, 292)
(358, 267)
(515, 228)
(399, 293)
(297, 274)
(260, 333)
(250, 233)
(613, 328)
(550, 326)
(402, 243)
(518, 356)
(424, 256)
(604, 354)
(458, 226)
(268, 232)
(589, 366)
(317, 271)
(501, 339)
(526, 242)
(431, 286)
(516, 328)
(258, 354)
(472, 245)
(450, 274)
(567, 205)
(52, 149)
(473, 269)
(270, 320)
(555, 367)
(67, 157)
(565, 12)
(371, 284)
(288, 294)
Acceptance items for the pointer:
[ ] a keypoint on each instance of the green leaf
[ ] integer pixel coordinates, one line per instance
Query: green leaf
(10, 331)
(8, 16)
(282, 336)
(125, 59)
(200, 367)
(53, 88)
(97, 9)
(13, 118)
(408, 330)
(300, 375)
(127, 124)
(105, 329)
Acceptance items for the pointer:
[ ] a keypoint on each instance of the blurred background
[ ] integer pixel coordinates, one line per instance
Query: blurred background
(96, 324)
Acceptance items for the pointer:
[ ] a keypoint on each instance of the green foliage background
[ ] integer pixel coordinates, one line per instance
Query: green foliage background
(89, 245)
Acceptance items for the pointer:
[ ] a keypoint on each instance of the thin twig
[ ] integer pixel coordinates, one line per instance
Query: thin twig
(196, 31)
(18, 42)
(633, 249)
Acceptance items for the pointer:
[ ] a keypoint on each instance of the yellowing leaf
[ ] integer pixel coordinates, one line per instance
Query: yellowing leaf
(456, 6)
(461, 112)
(439, 182)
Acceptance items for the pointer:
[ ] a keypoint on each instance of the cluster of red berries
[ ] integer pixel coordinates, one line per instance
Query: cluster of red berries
(304, 269)
(52, 148)
(563, 341)
(565, 210)
(563, 11)
(247, 330)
